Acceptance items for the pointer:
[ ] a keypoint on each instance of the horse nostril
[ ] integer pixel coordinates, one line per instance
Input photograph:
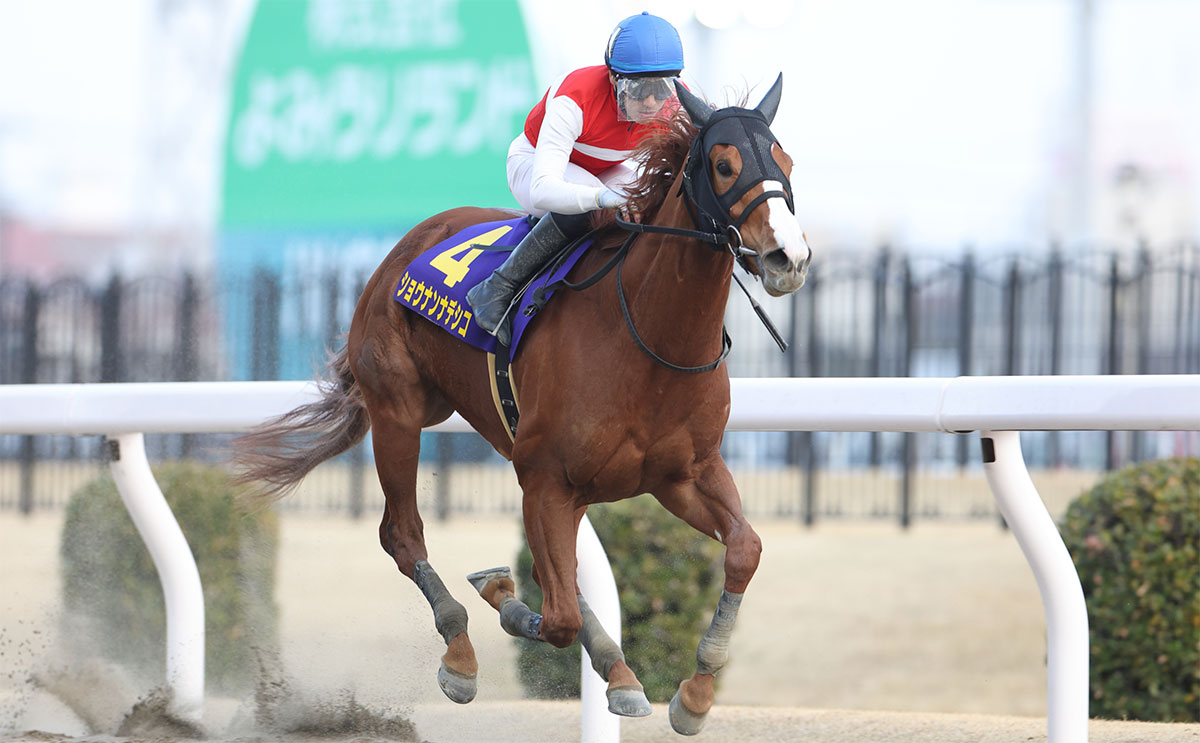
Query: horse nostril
(777, 260)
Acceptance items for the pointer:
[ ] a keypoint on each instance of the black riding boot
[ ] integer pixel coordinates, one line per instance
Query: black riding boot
(491, 298)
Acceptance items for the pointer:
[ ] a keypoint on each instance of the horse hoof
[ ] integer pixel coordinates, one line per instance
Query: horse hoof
(458, 687)
(628, 701)
(484, 577)
(683, 720)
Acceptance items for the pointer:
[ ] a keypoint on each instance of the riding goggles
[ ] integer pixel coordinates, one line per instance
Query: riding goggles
(641, 99)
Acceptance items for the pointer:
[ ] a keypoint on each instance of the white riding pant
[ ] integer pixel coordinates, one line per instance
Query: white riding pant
(520, 174)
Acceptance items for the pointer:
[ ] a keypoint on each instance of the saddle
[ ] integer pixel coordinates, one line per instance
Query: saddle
(436, 283)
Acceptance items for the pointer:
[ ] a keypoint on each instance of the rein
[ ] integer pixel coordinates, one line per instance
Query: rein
(726, 341)
(717, 240)
(617, 261)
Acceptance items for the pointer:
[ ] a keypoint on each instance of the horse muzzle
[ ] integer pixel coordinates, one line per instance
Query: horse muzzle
(781, 273)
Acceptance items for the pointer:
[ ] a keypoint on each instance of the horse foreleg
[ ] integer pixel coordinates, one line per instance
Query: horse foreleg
(625, 694)
(496, 586)
(691, 703)
(551, 522)
(712, 506)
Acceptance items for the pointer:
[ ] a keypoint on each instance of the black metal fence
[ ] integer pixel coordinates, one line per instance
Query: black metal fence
(877, 314)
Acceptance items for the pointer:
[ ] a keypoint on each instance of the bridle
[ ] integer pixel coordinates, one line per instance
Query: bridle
(747, 130)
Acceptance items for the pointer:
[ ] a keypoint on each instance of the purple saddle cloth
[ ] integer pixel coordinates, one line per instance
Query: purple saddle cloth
(436, 283)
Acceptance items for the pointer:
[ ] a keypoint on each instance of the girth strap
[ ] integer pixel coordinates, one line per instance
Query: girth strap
(504, 393)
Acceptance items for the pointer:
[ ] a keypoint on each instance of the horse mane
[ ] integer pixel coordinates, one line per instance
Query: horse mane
(660, 154)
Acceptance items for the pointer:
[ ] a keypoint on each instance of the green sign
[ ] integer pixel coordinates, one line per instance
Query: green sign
(370, 113)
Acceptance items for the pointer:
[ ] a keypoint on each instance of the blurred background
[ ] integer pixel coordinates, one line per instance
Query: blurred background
(198, 189)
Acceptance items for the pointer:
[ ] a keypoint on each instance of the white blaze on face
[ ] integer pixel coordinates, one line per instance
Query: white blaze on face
(788, 234)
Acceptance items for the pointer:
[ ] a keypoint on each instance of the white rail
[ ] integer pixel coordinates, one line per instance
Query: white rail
(1162, 402)
(997, 407)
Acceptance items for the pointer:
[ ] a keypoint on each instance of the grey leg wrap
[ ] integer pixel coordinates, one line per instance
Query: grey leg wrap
(449, 616)
(626, 700)
(604, 652)
(518, 620)
(713, 650)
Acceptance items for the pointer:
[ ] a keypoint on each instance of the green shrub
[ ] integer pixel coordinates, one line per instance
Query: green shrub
(1135, 540)
(111, 592)
(669, 579)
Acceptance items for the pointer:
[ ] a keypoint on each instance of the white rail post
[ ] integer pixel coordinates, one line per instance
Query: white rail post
(597, 724)
(177, 573)
(1058, 583)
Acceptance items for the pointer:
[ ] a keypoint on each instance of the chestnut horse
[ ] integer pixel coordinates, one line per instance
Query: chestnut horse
(607, 411)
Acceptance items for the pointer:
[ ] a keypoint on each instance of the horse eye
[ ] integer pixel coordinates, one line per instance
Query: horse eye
(724, 168)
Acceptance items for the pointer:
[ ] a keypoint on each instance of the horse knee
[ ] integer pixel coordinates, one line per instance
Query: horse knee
(559, 637)
(742, 553)
(561, 629)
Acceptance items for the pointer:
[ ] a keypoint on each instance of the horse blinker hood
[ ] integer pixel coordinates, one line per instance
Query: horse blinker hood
(748, 130)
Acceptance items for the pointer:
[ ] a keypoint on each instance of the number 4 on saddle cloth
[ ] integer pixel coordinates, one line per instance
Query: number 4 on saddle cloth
(436, 283)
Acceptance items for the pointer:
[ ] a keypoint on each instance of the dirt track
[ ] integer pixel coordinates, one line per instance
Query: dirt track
(943, 619)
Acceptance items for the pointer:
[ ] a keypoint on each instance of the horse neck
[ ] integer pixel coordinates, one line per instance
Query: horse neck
(677, 287)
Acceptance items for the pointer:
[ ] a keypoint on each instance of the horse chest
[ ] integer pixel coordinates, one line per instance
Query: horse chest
(617, 462)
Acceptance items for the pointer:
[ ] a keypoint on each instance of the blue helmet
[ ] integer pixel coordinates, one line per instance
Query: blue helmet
(644, 44)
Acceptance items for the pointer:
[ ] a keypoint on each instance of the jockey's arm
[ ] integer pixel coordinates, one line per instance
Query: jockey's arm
(548, 188)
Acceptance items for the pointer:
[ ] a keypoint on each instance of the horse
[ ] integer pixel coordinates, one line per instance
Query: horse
(618, 390)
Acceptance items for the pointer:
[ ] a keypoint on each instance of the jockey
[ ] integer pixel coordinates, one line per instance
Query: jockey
(570, 158)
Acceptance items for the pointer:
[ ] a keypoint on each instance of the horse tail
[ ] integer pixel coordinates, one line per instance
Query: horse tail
(275, 456)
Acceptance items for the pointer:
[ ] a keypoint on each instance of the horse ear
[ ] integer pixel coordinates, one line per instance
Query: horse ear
(697, 110)
(770, 102)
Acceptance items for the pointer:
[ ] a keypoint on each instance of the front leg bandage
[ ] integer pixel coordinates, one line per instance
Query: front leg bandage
(713, 651)
(602, 649)
(519, 620)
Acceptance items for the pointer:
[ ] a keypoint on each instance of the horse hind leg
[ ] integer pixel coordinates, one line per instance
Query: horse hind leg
(458, 671)
(401, 533)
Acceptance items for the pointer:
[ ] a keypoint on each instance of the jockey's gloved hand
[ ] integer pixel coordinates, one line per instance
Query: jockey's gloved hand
(609, 199)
